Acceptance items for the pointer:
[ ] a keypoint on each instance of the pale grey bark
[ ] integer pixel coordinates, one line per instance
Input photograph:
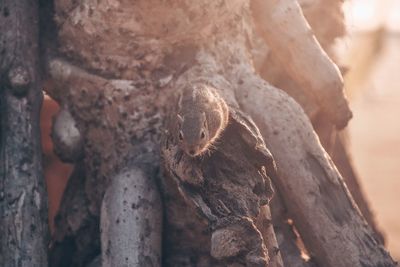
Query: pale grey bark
(131, 220)
(23, 202)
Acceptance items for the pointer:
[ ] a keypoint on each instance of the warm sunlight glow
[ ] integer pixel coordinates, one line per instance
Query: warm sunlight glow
(393, 19)
(365, 15)
(361, 14)
(372, 55)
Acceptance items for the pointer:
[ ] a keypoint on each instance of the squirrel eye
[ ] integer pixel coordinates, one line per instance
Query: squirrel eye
(202, 135)
(180, 135)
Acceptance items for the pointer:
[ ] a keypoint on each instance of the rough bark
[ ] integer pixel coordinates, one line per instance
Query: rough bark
(59, 68)
(228, 189)
(118, 143)
(23, 202)
(288, 240)
(116, 128)
(317, 198)
(334, 143)
(326, 19)
(266, 227)
(133, 54)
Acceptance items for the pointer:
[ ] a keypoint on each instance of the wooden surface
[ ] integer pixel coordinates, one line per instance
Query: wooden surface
(323, 210)
(23, 202)
(119, 101)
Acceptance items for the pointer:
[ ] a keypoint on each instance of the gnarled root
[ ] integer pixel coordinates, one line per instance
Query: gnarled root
(329, 222)
(290, 37)
(115, 138)
(227, 189)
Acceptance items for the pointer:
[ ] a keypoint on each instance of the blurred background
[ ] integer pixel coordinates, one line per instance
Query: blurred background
(372, 54)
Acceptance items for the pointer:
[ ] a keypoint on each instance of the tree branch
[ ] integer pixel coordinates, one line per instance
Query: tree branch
(283, 26)
(332, 228)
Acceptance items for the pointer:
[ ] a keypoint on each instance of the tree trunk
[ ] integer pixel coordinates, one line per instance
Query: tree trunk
(23, 202)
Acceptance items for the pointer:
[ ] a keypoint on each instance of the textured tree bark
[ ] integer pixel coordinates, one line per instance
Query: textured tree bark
(120, 151)
(317, 198)
(23, 202)
(266, 226)
(288, 239)
(131, 56)
(228, 188)
(326, 19)
(334, 143)
(64, 72)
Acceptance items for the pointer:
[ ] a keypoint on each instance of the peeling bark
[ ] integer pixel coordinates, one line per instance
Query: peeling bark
(228, 190)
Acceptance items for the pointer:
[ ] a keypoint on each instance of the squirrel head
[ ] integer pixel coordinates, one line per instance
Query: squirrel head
(193, 134)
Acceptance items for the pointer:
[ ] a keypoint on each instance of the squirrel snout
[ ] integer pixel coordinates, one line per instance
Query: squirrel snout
(193, 150)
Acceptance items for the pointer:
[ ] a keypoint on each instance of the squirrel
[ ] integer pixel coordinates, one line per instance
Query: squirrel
(202, 116)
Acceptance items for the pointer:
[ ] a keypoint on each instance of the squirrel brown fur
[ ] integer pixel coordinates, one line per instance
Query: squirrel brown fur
(202, 115)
